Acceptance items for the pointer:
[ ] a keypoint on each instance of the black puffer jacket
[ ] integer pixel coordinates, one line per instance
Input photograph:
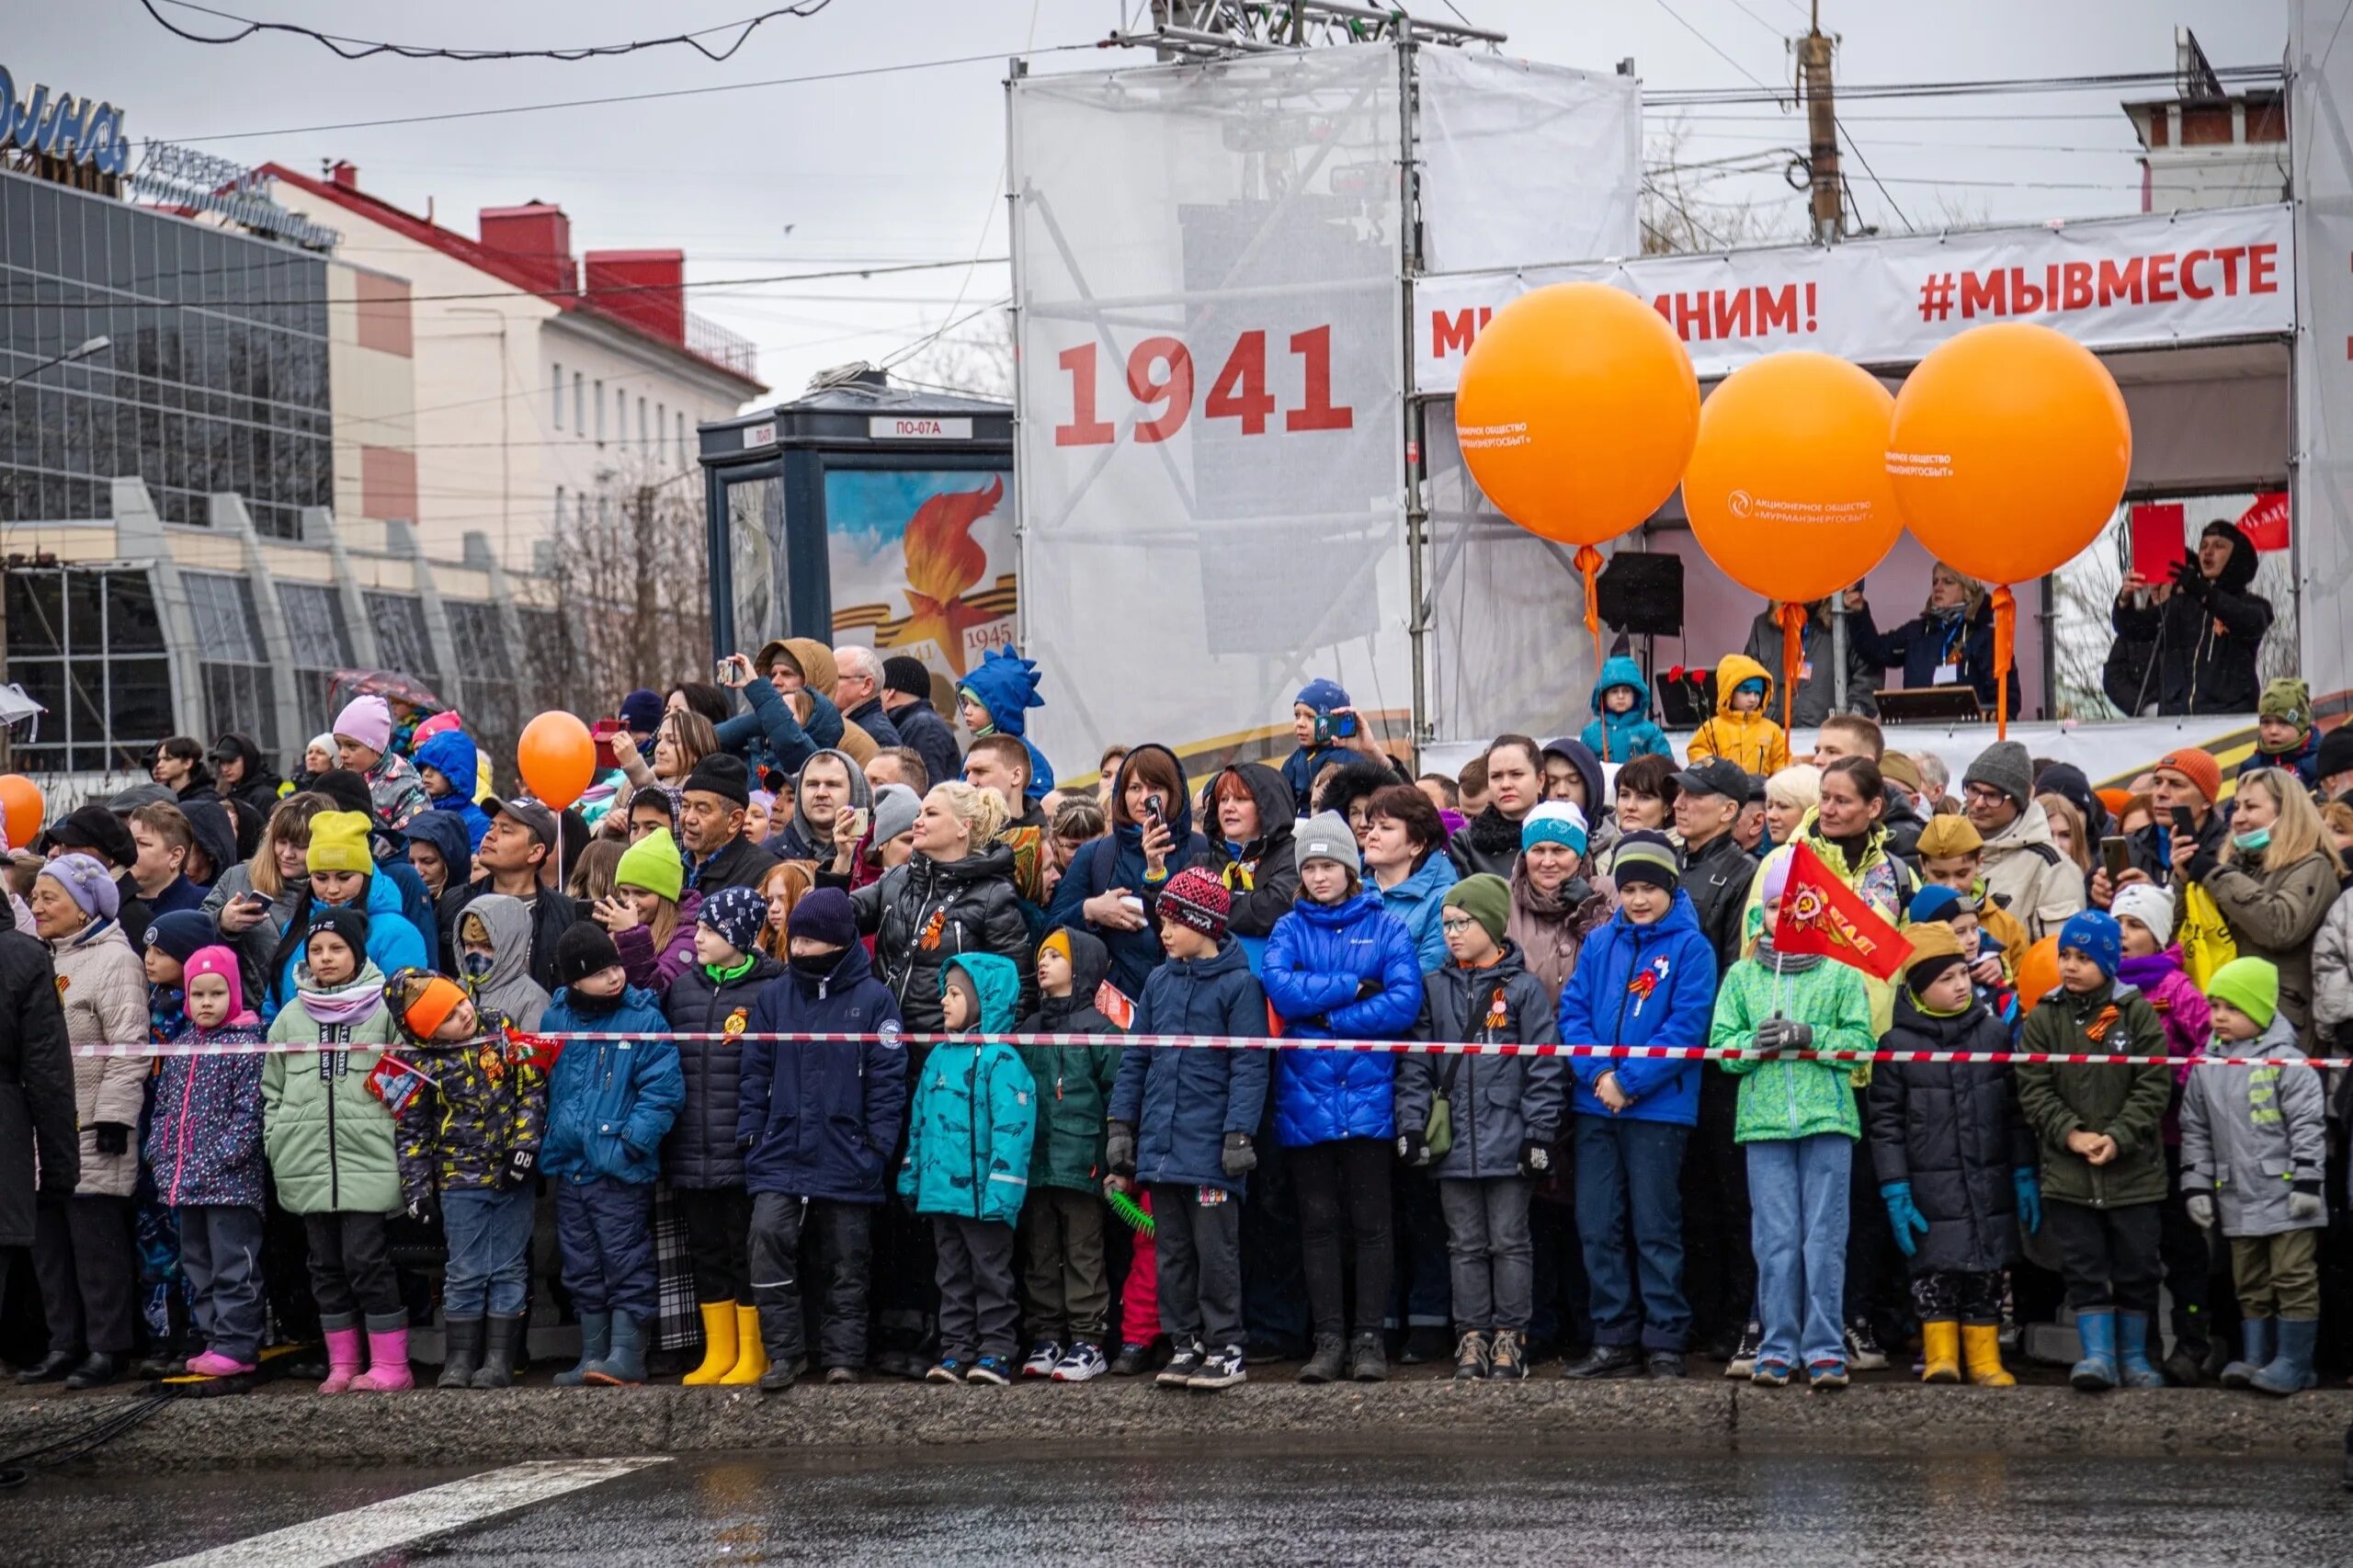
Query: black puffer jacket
(1953, 1131)
(1265, 890)
(701, 1151)
(36, 1087)
(2207, 638)
(1490, 843)
(925, 912)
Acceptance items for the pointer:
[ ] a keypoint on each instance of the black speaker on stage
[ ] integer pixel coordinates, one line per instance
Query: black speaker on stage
(1642, 594)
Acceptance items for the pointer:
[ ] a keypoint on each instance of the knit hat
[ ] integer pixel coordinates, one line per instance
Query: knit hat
(2199, 766)
(1947, 836)
(215, 960)
(653, 863)
(736, 914)
(339, 843)
(369, 720)
(642, 712)
(347, 788)
(2252, 985)
(1647, 857)
(896, 810)
(2004, 766)
(1933, 904)
(1754, 685)
(824, 915)
(906, 674)
(1323, 696)
(181, 933)
(1554, 821)
(2094, 933)
(92, 827)
(1195, 899)
(342, 920)
(431, 999)
(1486, 898)
(1775, 879)
(721, 774)
(87, 883)
(2150, 905)
(1936, 947)
(325, 743)
(583, 949)
(2288, 699)
(2335, 751)
(1325, 837)
(1057, 941)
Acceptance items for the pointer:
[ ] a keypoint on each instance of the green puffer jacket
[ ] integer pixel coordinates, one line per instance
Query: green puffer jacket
(1788, 1100)
(1073, 1081)
(332, 1145)
(2126, 1103)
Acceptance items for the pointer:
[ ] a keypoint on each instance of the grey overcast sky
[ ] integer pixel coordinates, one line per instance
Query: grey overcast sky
(909, 166)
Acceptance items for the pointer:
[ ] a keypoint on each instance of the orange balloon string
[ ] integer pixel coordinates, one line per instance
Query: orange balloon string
(1793, 618)
(1589, 561)
(2006, 626)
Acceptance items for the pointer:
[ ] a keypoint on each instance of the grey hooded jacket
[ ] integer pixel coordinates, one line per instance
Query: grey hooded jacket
(508, 988)
(2252, 1136)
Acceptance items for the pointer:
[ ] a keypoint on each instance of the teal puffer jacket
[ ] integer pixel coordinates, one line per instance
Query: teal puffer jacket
(975, 1110)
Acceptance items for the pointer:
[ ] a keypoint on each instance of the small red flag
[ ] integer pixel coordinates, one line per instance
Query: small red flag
(1822, 915)
(532, 1051)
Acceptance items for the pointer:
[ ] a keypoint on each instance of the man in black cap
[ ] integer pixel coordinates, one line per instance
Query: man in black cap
(711, 826)
(518, 849)
(96, 831)
(1716, 871)
(906, 696)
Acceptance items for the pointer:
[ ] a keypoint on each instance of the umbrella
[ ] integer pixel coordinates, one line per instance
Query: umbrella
(391, 685)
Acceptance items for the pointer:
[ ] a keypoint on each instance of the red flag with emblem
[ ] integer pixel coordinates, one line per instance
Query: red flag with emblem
(1822, 915)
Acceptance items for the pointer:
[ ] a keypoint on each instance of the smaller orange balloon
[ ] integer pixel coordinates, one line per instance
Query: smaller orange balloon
(557, 757)
(2038, 973)
(23, 807)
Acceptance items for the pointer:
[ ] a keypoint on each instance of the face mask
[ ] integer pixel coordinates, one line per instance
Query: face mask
(2251, 842)
(476, 965)
(816, 966)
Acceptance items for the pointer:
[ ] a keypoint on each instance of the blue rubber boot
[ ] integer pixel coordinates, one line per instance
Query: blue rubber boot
(2096, 1373)
(2132, 1352)
(2257, 1344)
(625, 1362)
(595, 1338)
(2291, 1370)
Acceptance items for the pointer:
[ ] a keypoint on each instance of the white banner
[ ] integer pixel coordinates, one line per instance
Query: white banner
(2320, 69)
(2127, 283)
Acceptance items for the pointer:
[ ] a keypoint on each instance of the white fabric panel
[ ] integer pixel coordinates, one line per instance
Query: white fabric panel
(2320, 65)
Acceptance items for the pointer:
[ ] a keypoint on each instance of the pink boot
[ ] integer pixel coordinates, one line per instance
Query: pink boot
(213, 1364)
(386, 1362)
(344, 1361)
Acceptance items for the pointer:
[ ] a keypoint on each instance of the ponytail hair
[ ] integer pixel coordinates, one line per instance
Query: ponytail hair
(983, 811)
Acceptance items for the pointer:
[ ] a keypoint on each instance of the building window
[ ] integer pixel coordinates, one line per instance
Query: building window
(600, 414)
(579, 405)
(321, 639)
(682, 438)
(555, 398)
(400, 641)
(644, 436)
(486, 693)
(85, 642)
(559, 509)
(238, 689)
(661, 422)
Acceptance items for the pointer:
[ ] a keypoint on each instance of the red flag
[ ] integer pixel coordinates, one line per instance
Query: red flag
(1822, 915)
(532, 1051)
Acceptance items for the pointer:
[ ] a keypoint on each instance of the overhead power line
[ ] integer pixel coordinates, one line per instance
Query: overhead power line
(1990, 87)
(361, 48)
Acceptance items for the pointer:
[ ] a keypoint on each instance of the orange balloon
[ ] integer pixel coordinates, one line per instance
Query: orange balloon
(2009, 451)
(557, 757)
(22, 807)
(2038, 973)
(1788, 489)
(1577, 411)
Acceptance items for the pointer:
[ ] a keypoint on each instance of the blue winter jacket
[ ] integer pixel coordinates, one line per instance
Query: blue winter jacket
(611, 1099)
(1622, 738)
(1316, 960)
(823, 1115)
(974, 1114)
(1183, 1100)
(1299, 771)
(452, 755)
(391, 940)
(1641, 985)
(769, 736)
(1006, 685)
(1417, 902)
(1116, 861)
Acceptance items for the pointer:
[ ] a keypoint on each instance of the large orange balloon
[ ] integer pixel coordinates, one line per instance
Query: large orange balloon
(22, 808)
(1788, 489)
(2038, 973)
(1577, 411)
(2009, 451)
(557, 757)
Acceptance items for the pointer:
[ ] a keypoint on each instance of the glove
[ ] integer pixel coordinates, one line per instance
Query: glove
(1238, 1158)
(1535, 1157)
(1783, 1034)
(1414, 1148)
(113, 1137)
(425, 1209)
(2029, 1190)
(2190, 579)
(1903, 1216)
(1367, 988)
(2202, 1209)
(2304, 1204)
(520, 1164)
(1119, 1150)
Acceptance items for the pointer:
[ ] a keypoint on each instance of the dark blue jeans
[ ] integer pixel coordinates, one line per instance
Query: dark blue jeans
(605, 1231)
(1629, 1199)
(489, 1231)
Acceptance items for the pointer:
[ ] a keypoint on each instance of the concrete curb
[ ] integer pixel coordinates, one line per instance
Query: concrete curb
(293, 1428)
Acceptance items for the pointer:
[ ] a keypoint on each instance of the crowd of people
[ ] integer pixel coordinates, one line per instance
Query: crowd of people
(816, 1037)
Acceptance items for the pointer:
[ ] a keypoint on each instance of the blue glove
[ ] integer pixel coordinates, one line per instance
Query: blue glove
(1902, 1215)
(2029, 1190)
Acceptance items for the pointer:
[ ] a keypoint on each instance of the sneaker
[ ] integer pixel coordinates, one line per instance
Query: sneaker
(1771, 1375)
(1471, 1357)
(1188, 1361)
(1132, 1361)
(1863, 1353)
(997, 1369)
(1506, 1356)
(1821, 1375)
(1222, 1370)
(1044, 1356)
(1662, 1366)
(1743, 1355)
(1082, 1363)
(949, 1370)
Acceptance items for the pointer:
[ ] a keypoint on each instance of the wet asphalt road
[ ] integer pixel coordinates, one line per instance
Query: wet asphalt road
(1475, 1507)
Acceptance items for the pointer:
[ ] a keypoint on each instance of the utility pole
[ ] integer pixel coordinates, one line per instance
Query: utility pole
(1822, 124)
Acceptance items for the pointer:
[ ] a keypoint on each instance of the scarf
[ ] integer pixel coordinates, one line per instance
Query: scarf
(1492, 833)
(354, 1002)
(1783, 964)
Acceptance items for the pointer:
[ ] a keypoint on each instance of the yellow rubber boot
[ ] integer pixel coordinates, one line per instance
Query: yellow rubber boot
(1940, 1352)
(1982, 1343)
(718, 1349)
(752, 1356)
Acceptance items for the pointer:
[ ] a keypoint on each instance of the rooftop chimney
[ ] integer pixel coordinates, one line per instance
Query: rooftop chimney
(538, 237)
(346, 174)
(642, 287)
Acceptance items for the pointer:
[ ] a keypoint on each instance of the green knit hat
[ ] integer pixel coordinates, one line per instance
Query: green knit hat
(653, 863)
(1486, 898)
(2251, 985)
(2288, 699)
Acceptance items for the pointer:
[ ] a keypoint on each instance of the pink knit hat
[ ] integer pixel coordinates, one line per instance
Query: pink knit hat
(220, 960)
(369, 720)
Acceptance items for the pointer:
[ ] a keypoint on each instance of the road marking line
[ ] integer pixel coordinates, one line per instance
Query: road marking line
(379, 1527)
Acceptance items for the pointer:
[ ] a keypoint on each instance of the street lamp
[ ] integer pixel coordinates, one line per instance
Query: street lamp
(95, 346)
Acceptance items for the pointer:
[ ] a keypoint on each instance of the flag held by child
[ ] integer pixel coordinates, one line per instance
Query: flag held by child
(1822, 915)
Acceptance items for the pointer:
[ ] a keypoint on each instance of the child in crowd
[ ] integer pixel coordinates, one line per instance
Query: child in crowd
(1799, 1123)
(1066, 1284)
(494, 960)
(333, 1148)
(2253, 1152)
(470, 1146)
(1501, 1116)
(448, 767)
(710, 1006)
(759, 816)
(970, 1128)
(1954, 1159)
(1952, 854)
(1740, 730)
(1183, 1122)
(343, 875)
(2285, 735)
(2103, 1160)
(1316, 701)
(651, 915)
(610, 1101)
(1989, 977)
(203, 1149)
(1622, 729)
(1648, 977)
